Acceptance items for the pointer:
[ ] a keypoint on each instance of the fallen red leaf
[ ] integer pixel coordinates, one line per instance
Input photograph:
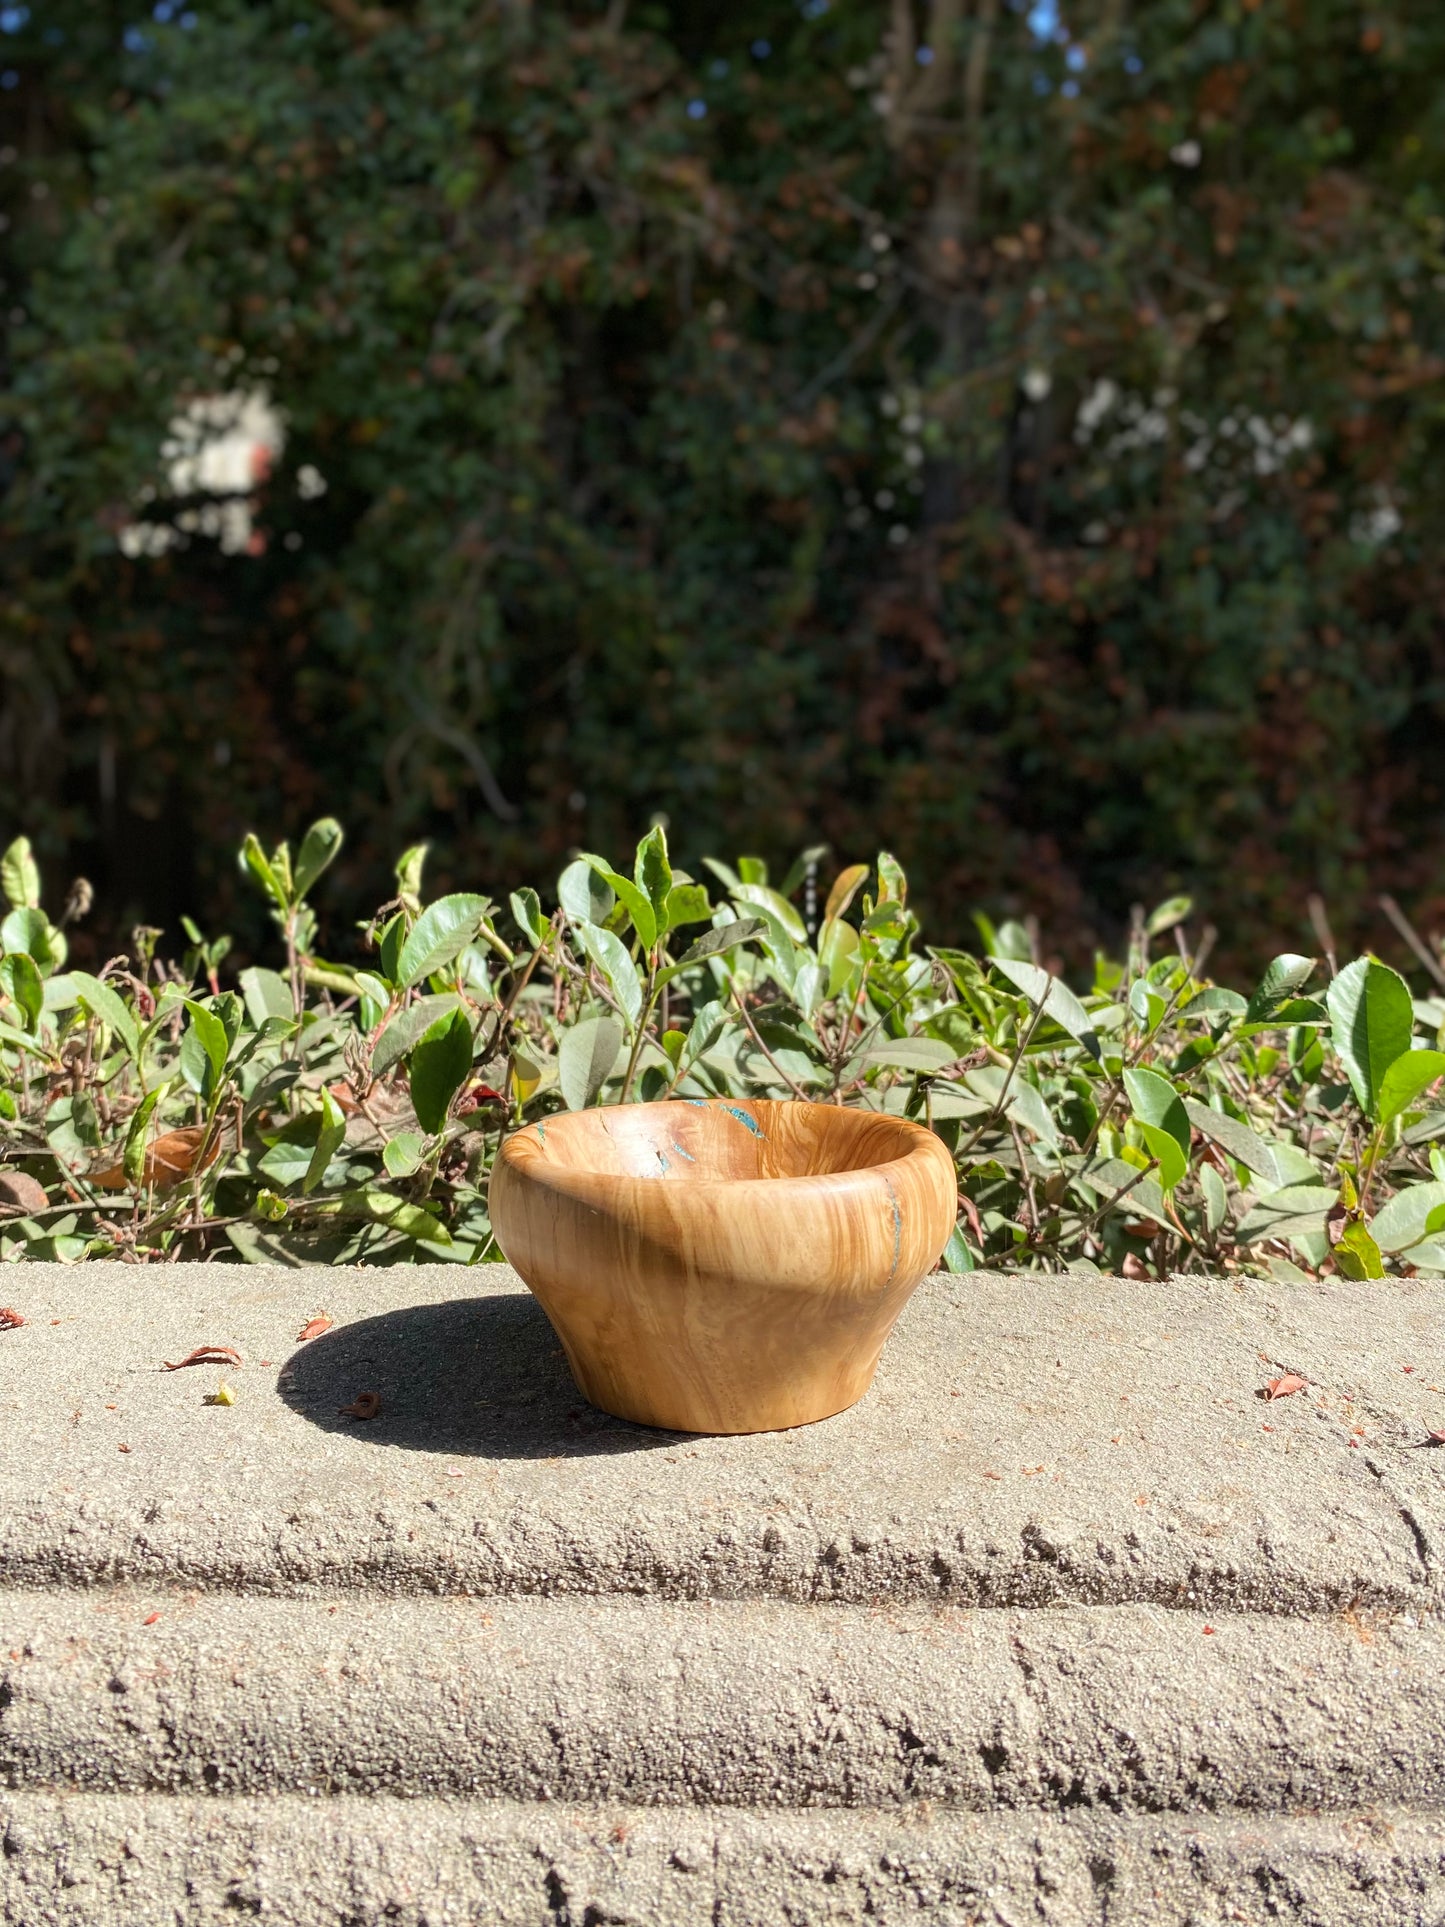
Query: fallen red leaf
(345, 1099)
(9, 1320)
(364, 1405)
(1430, 1439)
(150, 1619)
(1284, 1387)
(1133, 1267)
(206, 1355)
(1209, 1629)
(313, 1328)
(171, 1158)
(122, 1448)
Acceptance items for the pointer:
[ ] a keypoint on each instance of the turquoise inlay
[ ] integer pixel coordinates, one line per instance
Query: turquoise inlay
(897, 1227)
(743, 1117)
(541, 1131)
(661, 1159)
(698, 1103)
(683, 1154)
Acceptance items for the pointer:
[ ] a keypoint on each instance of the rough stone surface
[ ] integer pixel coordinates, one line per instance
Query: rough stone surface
(124, 1861)
(744, 1703)
(1062, 1624)
(1027, 1441)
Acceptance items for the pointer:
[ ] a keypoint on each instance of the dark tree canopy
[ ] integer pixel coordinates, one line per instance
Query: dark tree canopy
(1018, 446)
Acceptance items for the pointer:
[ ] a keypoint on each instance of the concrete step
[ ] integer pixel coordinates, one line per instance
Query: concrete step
(1029, 1441)
(82, 1860)
(740, 1704)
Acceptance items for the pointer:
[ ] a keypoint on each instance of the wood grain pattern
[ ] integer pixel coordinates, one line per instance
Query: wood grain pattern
(712, 1266)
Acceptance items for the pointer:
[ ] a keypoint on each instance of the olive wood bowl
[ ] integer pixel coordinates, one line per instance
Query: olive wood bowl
(723, 1267)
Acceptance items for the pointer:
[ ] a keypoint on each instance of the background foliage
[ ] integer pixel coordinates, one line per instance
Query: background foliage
(1016, 440)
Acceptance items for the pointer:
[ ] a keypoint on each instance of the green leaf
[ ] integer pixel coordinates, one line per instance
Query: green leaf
(210, 1034)
(409, 1219)
(1246, 1147)
(133, 1157)
(702, 1032)
(1143, 1199)
(267, 994)
(1164, 1149)
(329, 1138)
(712, 943)
(28, 929)
(527, 910)
(586, 1057)
(375, 991)
(104, 1003)
(1294, 1210)
(686, 903)
(439, 1066)
(402, 1154)
(653, 874)
(609, 953)
(1169, 914)
(407, 1026)
(903, 1053)
(1155, 1102)
(1053, 996)
(1406, 1219)
(253, 859)
(24, 986)
(799, 867)
(1406, 1078)
(892, 883)
(773, 903)
(318, 849)
(1216, 1197)
(634, 900)
(1357, 1255)
(440, 934)
(388, 949)
(409, 866)
(584, 895)
(20, 876)
(1372, 1020)
(672, 1047)
(956, 1254)
(1285, 975)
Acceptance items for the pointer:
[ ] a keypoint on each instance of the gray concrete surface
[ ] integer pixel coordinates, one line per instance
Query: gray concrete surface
(1062, 1624)
(1027, 1441)
(738, 1703)
(129, 1861)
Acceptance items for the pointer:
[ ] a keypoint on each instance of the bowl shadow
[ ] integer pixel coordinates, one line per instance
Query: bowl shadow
(479, 1376)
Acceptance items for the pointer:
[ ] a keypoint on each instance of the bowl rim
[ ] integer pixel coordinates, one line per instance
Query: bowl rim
(576, 1182)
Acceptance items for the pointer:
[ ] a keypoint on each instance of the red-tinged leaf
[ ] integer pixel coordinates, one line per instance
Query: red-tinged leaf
(1284, 1387)
(1134, 1267)
(9, 1320)
(206, 1355)
(1430, 1439)
(122, 1448)
(171, 1158)
(346, 1099)
(365, 1405)
(150, 1619)
(970, 1211)
(313, 1328)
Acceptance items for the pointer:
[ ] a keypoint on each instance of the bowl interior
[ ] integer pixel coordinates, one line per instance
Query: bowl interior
(687, 1140)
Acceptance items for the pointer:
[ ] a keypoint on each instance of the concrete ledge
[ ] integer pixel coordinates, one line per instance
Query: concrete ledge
(1061, 1624)
(739, 1704)
(1028, 1441)
(97, 1861)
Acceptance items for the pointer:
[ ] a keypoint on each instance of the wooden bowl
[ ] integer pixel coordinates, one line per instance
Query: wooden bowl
(723, 1267)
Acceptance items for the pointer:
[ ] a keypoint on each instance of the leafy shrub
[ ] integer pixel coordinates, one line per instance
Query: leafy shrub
(1157, 1121)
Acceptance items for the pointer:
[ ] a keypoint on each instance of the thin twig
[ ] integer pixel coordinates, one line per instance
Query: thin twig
(1412, 937)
